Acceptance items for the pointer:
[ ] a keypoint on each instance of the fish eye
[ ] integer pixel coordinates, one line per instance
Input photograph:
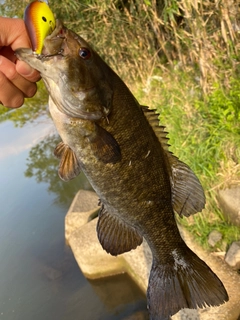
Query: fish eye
(44, 19)
(84, 53)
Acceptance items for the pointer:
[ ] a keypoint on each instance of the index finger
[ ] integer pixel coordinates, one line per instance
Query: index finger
(13, 33)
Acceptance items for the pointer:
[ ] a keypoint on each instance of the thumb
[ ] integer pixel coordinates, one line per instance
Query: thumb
(27, 72)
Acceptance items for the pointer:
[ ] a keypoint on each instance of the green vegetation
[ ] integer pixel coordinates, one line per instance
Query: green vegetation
(182, 58)
(32, 109)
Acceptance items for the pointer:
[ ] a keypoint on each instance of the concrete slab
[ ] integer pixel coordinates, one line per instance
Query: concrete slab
(85, 202)
(229, 202)
(95, 262)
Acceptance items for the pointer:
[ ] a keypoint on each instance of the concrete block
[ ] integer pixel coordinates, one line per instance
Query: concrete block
(95, 263)
(229, 202)
(84, 205)
(233, 255)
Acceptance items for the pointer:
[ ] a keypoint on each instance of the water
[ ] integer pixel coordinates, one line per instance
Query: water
(39, 278)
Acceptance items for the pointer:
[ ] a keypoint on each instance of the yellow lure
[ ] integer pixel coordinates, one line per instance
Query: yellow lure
(40, 22)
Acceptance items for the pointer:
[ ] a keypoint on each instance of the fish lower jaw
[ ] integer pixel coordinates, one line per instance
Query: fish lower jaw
(24, 53)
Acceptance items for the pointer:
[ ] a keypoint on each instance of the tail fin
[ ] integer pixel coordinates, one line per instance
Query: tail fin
(186, 283)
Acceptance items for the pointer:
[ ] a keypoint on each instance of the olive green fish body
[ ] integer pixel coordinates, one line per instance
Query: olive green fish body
(124, 153)
(141, 159)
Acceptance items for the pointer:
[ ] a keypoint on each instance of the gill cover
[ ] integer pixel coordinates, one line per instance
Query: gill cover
(40, 22)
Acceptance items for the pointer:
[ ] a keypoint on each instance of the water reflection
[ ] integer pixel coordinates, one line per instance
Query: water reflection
(121, 296)
(39, 277)
(42, 165)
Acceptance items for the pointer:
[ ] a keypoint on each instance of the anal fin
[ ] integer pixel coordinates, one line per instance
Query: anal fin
(69, 166)
(115, 235)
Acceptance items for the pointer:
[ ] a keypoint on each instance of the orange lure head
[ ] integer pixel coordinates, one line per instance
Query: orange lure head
(40, 22)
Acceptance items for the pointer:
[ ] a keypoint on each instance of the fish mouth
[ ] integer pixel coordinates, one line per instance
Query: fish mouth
(54, 44)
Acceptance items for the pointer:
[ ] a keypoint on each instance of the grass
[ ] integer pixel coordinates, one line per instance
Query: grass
(202, 224)
(204, 133)
(183, 56)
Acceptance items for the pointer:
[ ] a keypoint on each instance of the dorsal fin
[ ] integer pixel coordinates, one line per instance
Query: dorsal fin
(69, 166)
(187, 193)
(152, 118)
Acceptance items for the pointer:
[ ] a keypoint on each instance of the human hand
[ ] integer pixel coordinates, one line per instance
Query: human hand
(17, 79)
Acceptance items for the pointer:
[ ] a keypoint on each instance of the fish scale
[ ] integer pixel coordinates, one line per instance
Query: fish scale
(123, 151)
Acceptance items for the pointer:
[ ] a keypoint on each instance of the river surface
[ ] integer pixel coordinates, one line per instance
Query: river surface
(39, 278)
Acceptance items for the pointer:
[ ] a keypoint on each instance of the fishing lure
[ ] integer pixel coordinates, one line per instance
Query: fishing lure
(40, 22)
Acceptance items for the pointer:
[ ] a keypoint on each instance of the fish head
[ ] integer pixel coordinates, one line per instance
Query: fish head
(75, 76)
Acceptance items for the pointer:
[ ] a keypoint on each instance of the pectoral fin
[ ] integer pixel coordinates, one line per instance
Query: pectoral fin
(104, 146)
(69, 166)
(115, 235)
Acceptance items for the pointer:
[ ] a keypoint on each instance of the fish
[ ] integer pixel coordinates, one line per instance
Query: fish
(40, 22)
(124, 153)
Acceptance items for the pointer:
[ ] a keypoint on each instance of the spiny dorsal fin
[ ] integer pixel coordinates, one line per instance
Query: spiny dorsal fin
(152, 118)
(115, 235)
(69, 166)
(187, 193)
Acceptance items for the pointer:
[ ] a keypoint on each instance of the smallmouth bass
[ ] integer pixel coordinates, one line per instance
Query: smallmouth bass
(124, 153)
